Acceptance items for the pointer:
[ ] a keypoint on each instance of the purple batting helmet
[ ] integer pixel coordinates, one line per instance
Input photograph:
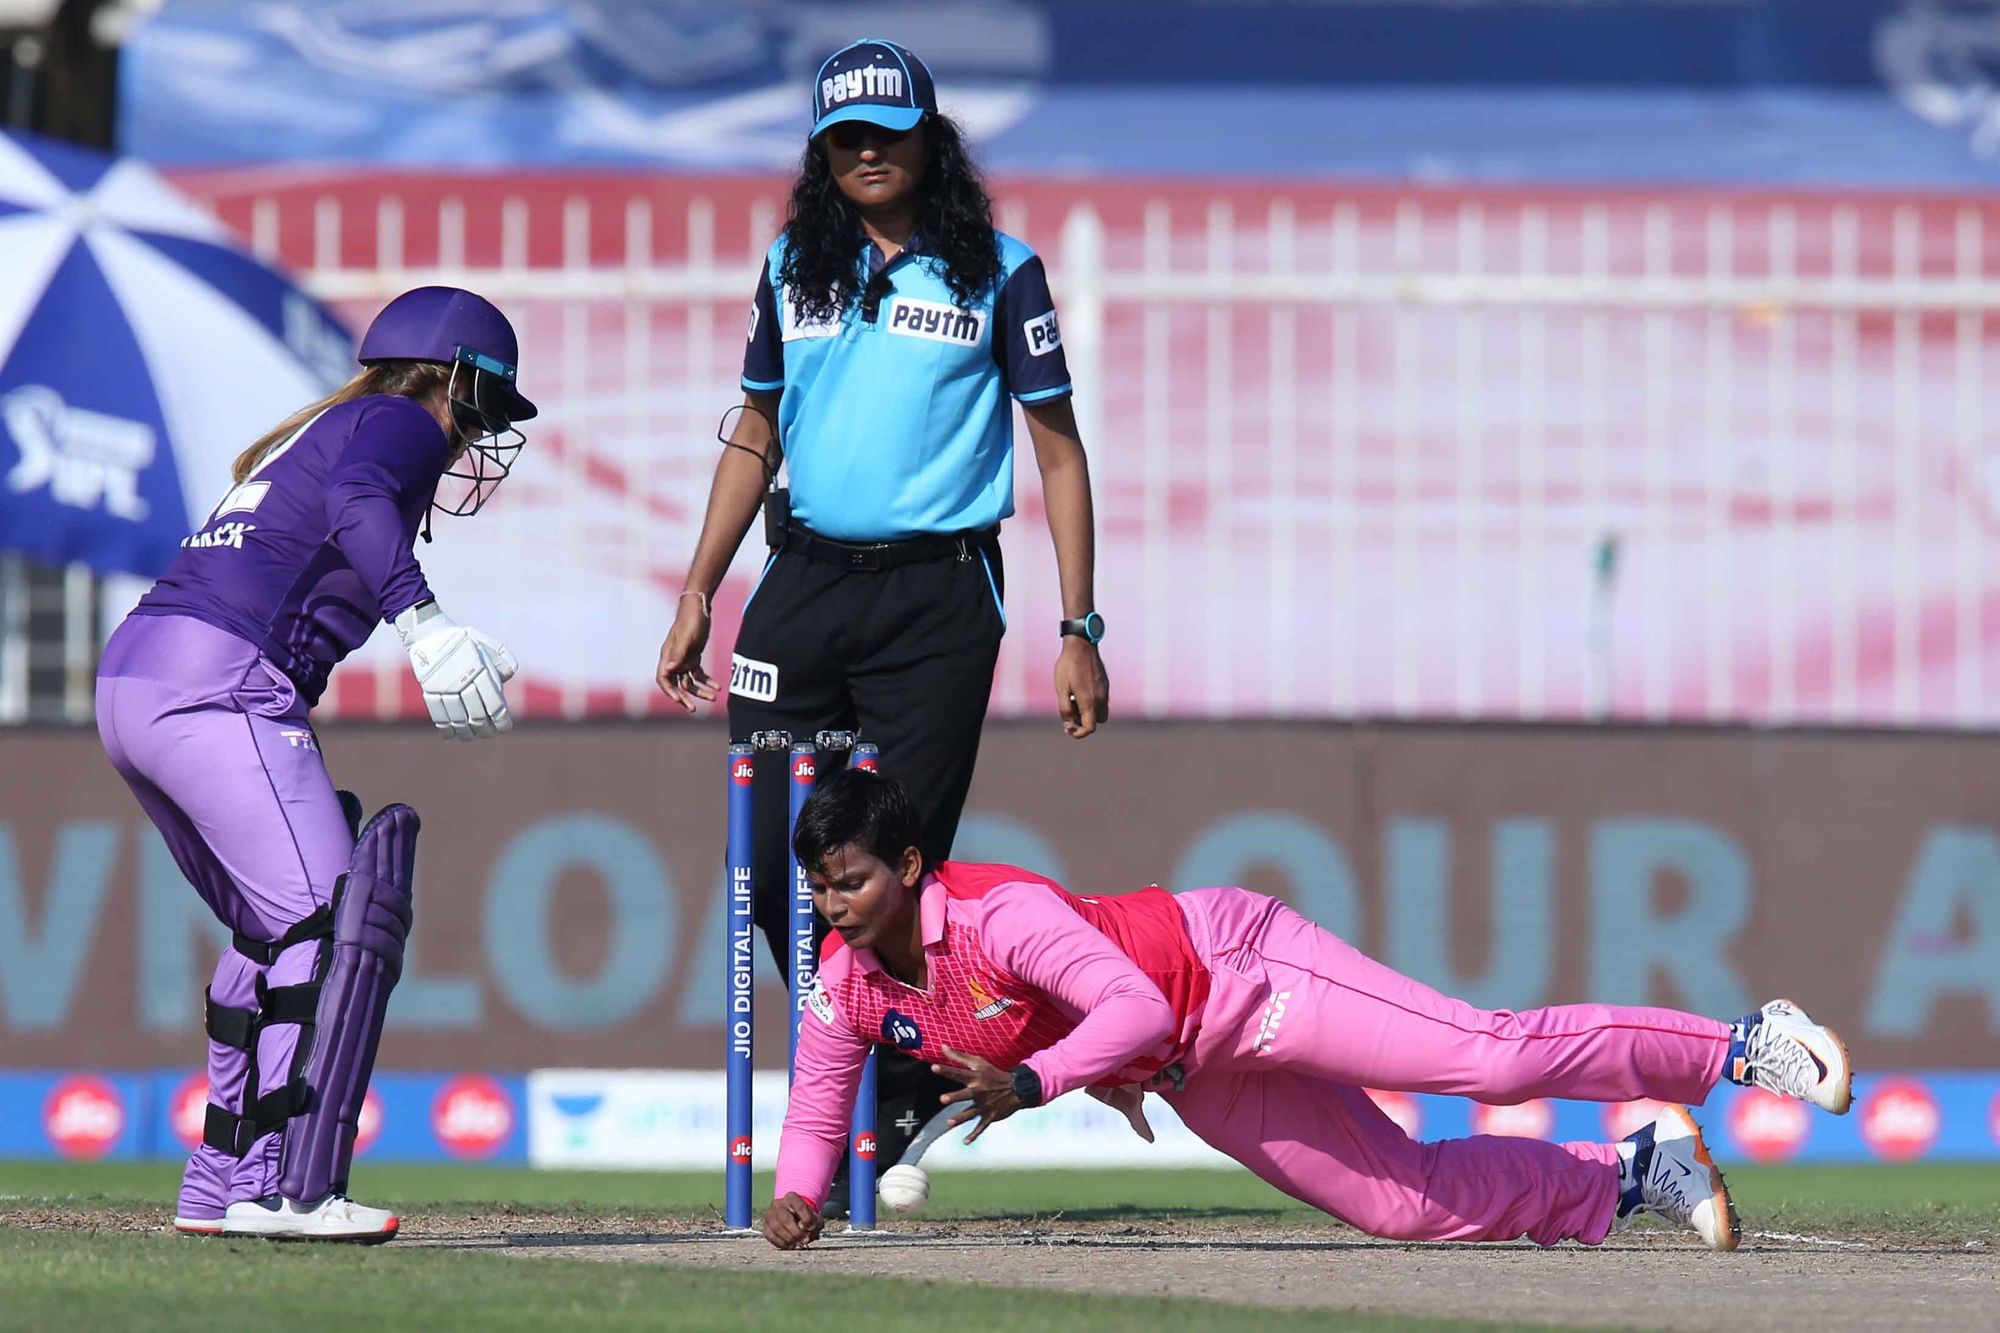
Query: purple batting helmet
(450, 325)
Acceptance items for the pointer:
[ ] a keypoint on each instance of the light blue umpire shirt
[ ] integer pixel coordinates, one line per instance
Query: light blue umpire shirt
(898, 425)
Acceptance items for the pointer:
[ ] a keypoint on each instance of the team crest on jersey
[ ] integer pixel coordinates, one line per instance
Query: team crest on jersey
(798, 326)
(902, 1030)
(936, 321)
(989, 1007)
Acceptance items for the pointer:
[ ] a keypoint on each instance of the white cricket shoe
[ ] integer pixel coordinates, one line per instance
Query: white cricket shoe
(1781, 1049)
(198, 1226)
(336, 1217)
(1665, 1169)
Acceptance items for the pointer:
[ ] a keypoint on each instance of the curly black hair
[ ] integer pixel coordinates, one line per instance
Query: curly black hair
(820, 272)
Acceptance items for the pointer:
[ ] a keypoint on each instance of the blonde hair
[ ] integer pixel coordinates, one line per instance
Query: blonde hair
(402, 379)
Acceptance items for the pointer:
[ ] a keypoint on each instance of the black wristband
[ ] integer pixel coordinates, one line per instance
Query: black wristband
(1027, 1086)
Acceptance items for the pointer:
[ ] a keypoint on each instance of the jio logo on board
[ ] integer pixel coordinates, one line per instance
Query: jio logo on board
(188, 1113)
(83, 1117)
(1532, 1119)
(1768, 1128)
(472, 1116)
(1400, 1107)
(1900, 1120)
(1623, 1118)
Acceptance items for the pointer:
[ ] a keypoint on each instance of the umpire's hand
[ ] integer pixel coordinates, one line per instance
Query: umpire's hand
(680, 675)
(1083, 691)
(792, 1223)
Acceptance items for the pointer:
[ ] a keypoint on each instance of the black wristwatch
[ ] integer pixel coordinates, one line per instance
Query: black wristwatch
(1027, 1086)
(1089, 626)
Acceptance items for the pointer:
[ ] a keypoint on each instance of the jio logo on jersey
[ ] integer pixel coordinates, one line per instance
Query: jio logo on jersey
(900, 1028)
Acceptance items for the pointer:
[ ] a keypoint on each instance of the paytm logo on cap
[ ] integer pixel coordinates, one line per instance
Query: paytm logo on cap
(873, 81)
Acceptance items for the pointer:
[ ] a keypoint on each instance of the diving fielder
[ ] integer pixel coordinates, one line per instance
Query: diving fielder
(1260, 1029)
(202, 700)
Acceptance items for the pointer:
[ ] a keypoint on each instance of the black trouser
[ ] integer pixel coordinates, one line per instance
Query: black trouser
(905, 657)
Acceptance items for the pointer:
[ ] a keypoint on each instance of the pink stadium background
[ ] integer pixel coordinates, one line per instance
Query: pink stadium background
(1499, 453)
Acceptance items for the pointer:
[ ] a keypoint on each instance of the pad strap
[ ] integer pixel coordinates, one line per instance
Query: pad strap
(228, 1132)
(238, 1028)
(319, 925)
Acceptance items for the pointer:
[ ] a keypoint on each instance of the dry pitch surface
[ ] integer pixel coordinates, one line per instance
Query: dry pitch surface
(1901, 1278)
(1645, 1279)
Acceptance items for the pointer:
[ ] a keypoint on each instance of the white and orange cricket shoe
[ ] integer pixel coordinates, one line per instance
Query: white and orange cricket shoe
(1779, 1048)
(198, 1226)
(336, 1217)
(1664, 1168)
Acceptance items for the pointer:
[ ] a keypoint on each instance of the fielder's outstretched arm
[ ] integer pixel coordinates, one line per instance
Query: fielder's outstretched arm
(826, 1075)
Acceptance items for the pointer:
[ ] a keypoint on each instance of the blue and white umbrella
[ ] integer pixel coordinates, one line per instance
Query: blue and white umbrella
(140, 350)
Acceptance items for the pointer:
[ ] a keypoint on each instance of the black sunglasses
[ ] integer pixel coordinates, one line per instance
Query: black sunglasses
(850, 135)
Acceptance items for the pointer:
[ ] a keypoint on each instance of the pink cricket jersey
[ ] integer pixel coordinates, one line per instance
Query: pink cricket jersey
(1082, 990)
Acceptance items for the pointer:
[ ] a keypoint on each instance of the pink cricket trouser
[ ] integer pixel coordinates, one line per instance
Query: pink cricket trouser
(1281, 1090)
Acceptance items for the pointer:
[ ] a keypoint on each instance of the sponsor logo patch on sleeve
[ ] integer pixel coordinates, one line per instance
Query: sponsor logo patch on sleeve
(820, 1003)
(1043, 334)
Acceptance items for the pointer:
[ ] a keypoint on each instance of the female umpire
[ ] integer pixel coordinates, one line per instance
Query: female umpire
(891, 325)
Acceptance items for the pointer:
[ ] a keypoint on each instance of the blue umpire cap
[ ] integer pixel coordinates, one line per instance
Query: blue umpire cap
(872, 80)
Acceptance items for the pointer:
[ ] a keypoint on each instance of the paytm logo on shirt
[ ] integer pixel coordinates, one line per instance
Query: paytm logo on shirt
(937, 322)
(1043, 334)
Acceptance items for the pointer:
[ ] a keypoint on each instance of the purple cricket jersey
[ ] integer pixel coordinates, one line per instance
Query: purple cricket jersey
(304, 558)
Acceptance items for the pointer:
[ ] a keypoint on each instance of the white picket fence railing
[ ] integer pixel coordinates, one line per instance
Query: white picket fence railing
(1371, 452)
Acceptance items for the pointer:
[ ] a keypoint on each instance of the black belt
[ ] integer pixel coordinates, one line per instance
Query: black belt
(886, 555)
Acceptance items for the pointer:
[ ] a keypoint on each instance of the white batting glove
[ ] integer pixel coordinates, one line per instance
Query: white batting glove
(460, 671)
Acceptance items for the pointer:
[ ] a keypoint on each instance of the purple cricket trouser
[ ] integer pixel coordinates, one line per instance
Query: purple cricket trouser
(214, 742)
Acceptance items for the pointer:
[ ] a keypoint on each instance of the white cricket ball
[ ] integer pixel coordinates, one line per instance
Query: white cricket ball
(904, 1188)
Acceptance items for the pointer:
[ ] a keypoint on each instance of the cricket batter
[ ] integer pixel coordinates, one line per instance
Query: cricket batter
(1260, 1029)
(202, 702)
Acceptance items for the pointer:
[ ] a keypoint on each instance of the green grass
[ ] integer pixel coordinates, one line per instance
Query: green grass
(55, 1280)
(1927, 1197)
(94, 1279)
